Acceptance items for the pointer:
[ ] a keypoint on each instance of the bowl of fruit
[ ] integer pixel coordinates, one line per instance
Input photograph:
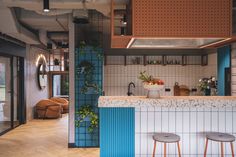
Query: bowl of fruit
(152, 85)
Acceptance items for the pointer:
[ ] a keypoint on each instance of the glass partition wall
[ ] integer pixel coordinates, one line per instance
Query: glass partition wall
(9, 98)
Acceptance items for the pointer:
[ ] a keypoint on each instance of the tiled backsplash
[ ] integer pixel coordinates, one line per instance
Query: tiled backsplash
(117, 77)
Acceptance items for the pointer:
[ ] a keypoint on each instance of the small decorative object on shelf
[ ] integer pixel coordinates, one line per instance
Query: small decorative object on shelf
(154, 62)
(136, 60)
(56, 61)
(153, 85)
(208, 86)
(86, 114)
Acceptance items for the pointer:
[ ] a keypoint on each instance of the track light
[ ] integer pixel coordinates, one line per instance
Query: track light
(46, 5)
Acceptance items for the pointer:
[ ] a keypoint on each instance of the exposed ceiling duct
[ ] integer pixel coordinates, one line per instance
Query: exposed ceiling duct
(13, 28)
(58, 36)
(57, 21)
(81, 16)
(102, 6)
(54, 12)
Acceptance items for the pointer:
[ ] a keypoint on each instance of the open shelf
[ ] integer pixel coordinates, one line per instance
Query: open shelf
(163, 60)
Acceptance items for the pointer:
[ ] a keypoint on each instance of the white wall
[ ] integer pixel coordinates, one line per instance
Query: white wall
(233, 69)
(117, 77)
(33, 93)
(211, 68)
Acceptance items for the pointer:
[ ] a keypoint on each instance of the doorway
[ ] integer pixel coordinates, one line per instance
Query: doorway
(10, 106)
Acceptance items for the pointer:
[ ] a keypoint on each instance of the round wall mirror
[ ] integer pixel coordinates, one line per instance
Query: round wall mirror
(42, 75)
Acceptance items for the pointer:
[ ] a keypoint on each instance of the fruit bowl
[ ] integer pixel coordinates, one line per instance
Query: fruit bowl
(153, 85)
(153, 90)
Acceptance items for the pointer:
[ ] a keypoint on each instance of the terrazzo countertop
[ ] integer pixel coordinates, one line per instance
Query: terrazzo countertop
(167, 101)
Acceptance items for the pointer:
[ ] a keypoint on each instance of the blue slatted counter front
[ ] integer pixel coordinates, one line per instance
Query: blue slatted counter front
(117, 132)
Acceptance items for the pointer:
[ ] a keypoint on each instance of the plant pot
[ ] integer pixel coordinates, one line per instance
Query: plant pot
(207, 92)
(153, 90)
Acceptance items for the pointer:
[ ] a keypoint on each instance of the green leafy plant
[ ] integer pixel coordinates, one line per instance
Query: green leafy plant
(206, 84)
(82, 46)
(95, 46)
(84, 112)
(65, 88)
(88, 86)
(144, 77)
(149, 79)
(87, 69)
(56, 61)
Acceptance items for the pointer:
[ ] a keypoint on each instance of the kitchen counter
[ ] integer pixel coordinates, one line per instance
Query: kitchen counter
(167, 101)
(128, 123)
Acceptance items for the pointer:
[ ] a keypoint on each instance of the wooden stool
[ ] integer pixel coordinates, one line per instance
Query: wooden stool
(220, 137)
(165, 138)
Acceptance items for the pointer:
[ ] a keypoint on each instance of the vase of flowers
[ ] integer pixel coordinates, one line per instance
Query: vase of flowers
(153, 85)
(207, 84)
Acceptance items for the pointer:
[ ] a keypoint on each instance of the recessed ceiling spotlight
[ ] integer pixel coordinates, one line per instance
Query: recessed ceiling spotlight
(46, 5)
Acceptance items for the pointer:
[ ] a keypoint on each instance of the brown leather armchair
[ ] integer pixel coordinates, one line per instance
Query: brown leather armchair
(48, 109)
(64, 103)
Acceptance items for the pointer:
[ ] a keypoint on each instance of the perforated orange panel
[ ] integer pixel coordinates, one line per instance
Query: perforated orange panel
(120, 42)
(182, 18)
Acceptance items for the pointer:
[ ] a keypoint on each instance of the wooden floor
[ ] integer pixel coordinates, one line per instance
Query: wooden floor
(41, 138)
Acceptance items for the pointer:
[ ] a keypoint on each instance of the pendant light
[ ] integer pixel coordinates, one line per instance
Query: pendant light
(46, 5)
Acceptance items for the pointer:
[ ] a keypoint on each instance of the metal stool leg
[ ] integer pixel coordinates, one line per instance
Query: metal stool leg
(232, 148)
(179, 149)
(222, 149)
(164, 149)
(154, 149)
(205, 152)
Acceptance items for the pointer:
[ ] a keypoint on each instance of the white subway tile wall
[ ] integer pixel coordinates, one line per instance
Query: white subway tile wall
(233, 69)
(191, 124)
(117, 77)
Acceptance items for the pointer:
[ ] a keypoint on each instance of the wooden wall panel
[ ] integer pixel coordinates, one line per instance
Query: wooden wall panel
(182, 18)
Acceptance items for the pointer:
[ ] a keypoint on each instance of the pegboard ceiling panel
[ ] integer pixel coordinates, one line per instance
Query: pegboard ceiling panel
(120, 42)
(182, 18)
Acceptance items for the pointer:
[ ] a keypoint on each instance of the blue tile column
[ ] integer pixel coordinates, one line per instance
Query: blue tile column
(117, 132)
(223, 61)
(84, 138)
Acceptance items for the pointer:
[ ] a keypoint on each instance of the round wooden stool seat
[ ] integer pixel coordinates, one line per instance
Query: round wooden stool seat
(220, 137)
(166, 137)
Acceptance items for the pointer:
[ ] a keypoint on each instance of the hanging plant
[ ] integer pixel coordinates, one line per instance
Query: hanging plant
(90, 88)
(95, 47)
(87, 69)
(86, 113)
(82, 46)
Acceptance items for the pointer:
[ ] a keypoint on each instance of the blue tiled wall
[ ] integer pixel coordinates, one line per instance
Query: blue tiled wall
(223, 61)
(83, 138)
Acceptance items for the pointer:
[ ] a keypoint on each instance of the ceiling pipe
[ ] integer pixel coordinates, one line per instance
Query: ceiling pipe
(12, 40)
(64, 28)
(102, 6)
(54, 12)
(13, 28)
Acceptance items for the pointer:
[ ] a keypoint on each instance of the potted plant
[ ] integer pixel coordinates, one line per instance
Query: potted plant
(87, 114)
(153, 85)
(207, 84)
(56, 61)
